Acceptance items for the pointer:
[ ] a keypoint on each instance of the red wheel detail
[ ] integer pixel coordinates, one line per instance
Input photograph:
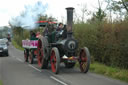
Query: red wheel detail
(39, 44)
(42, 63)
(40, 56)
(84, 60)
(53, 61)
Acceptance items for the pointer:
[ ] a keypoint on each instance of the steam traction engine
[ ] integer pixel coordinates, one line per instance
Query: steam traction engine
(57, 49)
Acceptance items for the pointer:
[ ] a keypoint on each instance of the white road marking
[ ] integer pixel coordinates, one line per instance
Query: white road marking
(58, 75)
(35, 68)
(19, 59)
(58, 80)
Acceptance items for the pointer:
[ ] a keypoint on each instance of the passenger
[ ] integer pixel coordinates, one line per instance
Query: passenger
(38, 35)
(60, 26)
(32, 34)
(49, 29)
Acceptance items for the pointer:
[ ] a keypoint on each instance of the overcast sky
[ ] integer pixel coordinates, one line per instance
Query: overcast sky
(55, 8)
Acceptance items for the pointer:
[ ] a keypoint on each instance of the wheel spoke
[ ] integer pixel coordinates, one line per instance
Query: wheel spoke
(84, 66)
(84, 59)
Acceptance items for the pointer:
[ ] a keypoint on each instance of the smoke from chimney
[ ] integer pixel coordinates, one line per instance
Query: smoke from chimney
(29, 16)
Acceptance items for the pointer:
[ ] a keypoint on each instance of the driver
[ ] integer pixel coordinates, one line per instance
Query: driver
(61, 31)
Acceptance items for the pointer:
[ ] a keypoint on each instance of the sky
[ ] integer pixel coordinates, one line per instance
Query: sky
(55, 8)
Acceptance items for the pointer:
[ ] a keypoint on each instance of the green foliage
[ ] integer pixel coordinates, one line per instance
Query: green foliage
(107, 42)
(86, 35)
(20, 34)
(16, 45)
(100, 15)
(4, 32)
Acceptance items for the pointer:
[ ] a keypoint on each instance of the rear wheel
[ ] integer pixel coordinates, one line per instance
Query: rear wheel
(7, 53)
(42, 63)
(31, 57)
(84, 60)
(45, 48)
(55, 60)
(25, 56)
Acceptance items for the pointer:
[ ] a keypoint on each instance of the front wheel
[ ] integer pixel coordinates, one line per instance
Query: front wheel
(84, 60)
(7, 54)
(55, 60)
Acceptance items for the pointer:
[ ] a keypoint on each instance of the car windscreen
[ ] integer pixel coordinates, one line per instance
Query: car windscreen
(3, 44)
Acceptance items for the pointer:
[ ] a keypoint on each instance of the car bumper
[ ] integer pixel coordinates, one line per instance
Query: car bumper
(3, 51)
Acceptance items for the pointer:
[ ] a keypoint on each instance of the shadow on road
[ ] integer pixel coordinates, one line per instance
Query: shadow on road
(2, 56)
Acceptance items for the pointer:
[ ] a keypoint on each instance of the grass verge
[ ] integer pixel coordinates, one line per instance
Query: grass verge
(0, 82)
(17, 46)
(116, 73)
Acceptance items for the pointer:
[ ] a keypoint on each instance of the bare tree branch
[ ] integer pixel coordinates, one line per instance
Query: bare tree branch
(124, 5)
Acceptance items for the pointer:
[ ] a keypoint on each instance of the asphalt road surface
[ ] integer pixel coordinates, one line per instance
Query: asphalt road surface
(14, 71)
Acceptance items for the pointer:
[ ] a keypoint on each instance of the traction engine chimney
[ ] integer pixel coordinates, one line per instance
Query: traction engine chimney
(69, 20)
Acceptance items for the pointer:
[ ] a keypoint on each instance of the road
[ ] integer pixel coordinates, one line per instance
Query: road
(14, 71)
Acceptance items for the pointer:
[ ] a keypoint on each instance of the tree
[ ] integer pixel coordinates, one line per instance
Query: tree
(42, 17)
(80, 16)
(120, 7)
(99, 15)
(83, 11)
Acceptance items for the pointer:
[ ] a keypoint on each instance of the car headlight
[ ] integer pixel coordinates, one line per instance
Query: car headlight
(5, 48)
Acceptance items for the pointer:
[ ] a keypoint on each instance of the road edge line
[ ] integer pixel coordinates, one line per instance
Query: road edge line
(58, 80)
(34, 67)
(19, 59)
